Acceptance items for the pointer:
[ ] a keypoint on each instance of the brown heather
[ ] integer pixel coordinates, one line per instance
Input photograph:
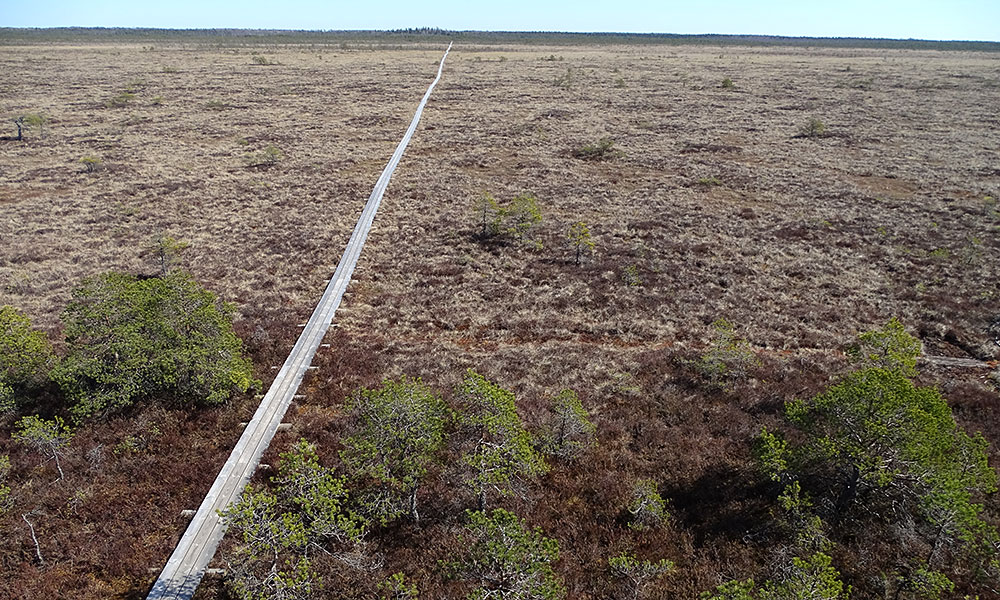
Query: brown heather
(805, 242)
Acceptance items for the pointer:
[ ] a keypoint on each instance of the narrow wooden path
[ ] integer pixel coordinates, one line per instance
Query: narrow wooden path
(186, 566)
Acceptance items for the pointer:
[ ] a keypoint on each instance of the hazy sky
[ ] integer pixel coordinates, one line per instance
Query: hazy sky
(925, 19)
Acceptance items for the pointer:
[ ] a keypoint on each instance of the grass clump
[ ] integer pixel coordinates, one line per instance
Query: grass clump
(121, 100)
(727, 84)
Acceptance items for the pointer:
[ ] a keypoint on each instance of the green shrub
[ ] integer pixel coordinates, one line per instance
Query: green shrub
(639, 573)
(507, 559)
(6, 501)
(812, 128)
(401, 427)
(269, 156)
(35, 120)
(727, 84)
(604, 148)
(887, 348)
(514, 220)
(647, 507)
(121, 100)
(631, 277)
(131, 339)
(813, 577)
(580, 240)
(565, 81)
(25, 358)
(91, 163)
(728, 358)
(501, 454)
(49, 438)
(570, 431)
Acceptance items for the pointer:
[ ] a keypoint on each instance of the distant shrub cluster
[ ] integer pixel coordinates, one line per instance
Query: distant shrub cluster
(514, 220)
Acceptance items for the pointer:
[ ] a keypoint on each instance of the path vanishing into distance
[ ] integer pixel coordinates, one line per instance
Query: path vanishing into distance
(187, 564)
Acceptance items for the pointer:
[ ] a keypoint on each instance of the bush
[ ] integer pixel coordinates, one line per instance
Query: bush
(514, 220)
(579, 238)
(812, 128)
(565, 81)
(507, 559)
(91, 163)
(887, 348)
(500, 454)
(267, 157)
(400, 429)
(631, 277)
(647, 507)
(604, 148)
(36, 120)
(639, 573)
(889, 449)
(25, 358)
(728, 358)
(131, 339)
(727, 84)
(570, 430)
(49, 438)
(121, 100)
(6, 501)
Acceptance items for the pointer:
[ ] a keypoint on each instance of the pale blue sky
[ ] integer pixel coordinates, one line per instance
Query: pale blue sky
(925, 19)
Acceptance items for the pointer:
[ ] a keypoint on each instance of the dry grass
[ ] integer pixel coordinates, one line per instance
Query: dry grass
(802, 243)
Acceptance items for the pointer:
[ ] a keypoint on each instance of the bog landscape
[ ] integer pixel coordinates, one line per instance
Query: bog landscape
(638, 317)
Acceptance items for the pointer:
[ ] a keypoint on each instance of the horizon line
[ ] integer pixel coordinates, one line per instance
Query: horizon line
(441, 31)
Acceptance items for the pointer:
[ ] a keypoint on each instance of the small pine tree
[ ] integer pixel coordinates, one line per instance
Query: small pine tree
(647, 507)
(639, 574)
(570, 430)
(400, 429)
(580, 240)
(48, 437)
(500, 454)
(887, 348)
(507, 559)
(132, 339)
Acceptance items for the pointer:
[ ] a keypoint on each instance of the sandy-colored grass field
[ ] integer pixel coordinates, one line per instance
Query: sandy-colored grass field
(715, 206)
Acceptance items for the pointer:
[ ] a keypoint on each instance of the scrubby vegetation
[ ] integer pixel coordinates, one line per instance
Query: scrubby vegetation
(662, 456)
(25, 359)
(130, 339)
